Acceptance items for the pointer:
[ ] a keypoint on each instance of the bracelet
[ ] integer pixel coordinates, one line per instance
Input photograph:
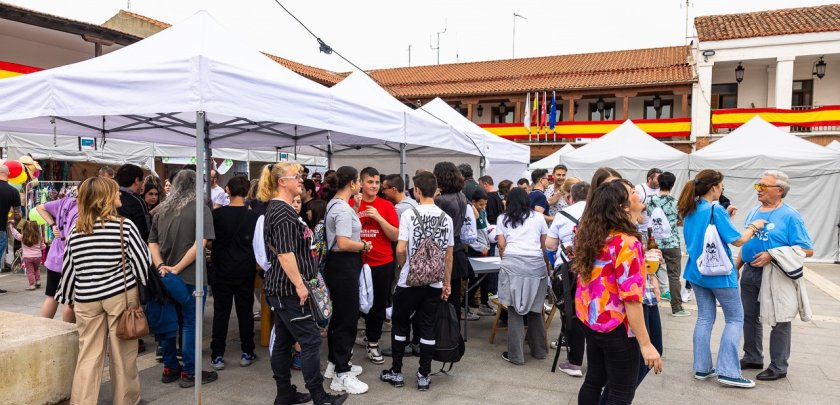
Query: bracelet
(159, 266)
(753, 227)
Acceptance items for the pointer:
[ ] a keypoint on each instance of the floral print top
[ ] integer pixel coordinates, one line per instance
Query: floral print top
(618, 276)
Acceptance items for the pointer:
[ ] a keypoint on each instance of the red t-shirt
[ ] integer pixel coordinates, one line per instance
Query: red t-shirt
(382, 253)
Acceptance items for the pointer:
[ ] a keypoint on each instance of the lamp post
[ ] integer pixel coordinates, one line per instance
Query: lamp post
(480, 110)
(819, 69)
(739, 73)
(513, 47)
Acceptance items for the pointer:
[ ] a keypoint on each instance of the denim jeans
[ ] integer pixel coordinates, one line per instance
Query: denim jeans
(4, 239)
(728, 364)
(188, 341)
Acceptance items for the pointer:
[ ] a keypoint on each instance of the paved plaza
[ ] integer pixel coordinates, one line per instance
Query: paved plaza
(482, 377)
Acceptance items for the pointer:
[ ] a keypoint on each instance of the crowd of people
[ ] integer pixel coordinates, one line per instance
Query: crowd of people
(618, 242)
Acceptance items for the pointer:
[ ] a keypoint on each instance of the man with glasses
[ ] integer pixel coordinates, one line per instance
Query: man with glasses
(537, 199)
(217, 194)
(785, 227)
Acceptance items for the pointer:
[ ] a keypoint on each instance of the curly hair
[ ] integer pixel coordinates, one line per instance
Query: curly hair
(183, 193)
(604, 214)
(449, 178)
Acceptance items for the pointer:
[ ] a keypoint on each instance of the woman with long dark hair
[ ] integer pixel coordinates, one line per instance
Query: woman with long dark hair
(697, 207)
(344, 264)
(523, 278)
(609, 261)
(453, 202)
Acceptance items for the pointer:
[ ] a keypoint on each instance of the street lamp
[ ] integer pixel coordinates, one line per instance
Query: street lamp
(502, 109)
(480, 110)
(657, 103)
(819, 68)
(739, 73)
(599, 105)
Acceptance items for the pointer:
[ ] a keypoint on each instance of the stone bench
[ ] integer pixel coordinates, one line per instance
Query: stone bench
(37, 359)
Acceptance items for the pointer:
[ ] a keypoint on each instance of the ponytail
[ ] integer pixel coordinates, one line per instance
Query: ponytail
(697, 188)
(269, 177)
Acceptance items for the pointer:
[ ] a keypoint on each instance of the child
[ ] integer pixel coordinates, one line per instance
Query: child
(480, 248)
(33, 246)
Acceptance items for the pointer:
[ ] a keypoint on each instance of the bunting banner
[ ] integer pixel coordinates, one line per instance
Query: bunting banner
(661, 128)
(817, 117)
(9, 69)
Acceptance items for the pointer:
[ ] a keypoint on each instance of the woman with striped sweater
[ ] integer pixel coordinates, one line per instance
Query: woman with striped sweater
(92, 280)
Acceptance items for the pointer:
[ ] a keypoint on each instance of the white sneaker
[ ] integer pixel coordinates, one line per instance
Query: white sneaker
(685, 295)
(346, 382)
(330, 371)
(361, 339)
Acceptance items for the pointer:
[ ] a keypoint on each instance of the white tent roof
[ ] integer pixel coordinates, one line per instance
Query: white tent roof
(551, 160)
(629, 150)
(834, 145)
(743, 156)
(151, 90)
(505, 159)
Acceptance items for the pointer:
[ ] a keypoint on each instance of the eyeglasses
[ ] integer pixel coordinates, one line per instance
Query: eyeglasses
(763, 187)
(298, 178)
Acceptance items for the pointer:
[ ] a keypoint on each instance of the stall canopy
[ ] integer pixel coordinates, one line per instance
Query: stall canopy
(504, 159)
(552, 160)
(629, 150)
(834, 145)
(743, 156)
(433, 139)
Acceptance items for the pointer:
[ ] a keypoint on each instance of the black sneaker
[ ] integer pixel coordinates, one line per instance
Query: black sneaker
(394, 378)
(170, 375)
(423, 382)
(293, 397)
(188, 380)
(328, 399)
(3, 292)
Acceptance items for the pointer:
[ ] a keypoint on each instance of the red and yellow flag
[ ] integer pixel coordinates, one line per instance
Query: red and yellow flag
(817, 117)
(660, 128)
(9, 69)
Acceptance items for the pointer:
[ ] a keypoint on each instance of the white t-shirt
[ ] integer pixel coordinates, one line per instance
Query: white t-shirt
(219, 196)
(562, 228)
(410, 227)
(645, 194)
(524, 240)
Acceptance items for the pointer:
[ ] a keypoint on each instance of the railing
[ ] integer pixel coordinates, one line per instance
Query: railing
(800, 119)
(821, 128)
(571, 131)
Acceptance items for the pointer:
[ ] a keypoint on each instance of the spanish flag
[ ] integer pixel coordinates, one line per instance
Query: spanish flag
(9, 69)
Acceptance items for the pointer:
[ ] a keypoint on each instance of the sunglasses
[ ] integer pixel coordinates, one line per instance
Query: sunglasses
(763, 187)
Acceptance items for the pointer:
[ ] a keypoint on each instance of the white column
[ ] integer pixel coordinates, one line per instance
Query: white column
(771, 86)
(701, 98)
(784, 81)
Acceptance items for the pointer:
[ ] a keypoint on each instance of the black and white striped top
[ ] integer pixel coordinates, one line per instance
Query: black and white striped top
(92, 270)
(287, 233)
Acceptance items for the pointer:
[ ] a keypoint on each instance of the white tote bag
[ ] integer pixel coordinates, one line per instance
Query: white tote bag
(469, 232)
(713, 261)
(258, 244)
(660, 225)
(365, 289)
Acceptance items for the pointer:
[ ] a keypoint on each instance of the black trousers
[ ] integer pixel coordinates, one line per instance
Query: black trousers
(422, 302)
(342, 278)
(460, 271)
(577, 342)
(382, 278)
(224, 295)
(613, 360)
(293, 323)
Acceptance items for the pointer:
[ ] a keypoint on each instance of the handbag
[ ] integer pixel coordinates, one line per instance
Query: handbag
(713, 261)
(132, 323)
(319, 296)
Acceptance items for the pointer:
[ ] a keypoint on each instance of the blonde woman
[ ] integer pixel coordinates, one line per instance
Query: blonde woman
(92, 279)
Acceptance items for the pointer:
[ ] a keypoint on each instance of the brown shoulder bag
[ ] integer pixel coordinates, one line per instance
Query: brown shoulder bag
(132, 323)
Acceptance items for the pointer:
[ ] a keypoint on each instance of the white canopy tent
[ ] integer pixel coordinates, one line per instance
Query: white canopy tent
(743, 156)
(193, 84)
(553, 159)
(436, 140)
(503, 159)
(631, 152)
(834, 145)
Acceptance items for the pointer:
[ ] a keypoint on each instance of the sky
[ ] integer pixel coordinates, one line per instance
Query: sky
(377, 33)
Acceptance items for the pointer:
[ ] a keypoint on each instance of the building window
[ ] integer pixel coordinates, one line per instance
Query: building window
(508, 118)
(607, 114)
(803, 93)
(724, 96)
(667, 110)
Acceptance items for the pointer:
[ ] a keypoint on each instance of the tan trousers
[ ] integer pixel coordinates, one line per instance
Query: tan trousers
(97, 323)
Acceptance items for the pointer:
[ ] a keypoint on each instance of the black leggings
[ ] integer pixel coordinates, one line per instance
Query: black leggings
(613, 360)
(342, 278)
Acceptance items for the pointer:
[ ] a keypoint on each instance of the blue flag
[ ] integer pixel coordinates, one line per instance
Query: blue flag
(552, 115)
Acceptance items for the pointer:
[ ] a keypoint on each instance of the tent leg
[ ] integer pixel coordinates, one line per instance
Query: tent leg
(482, 166)
(200, 148)
(402, 160)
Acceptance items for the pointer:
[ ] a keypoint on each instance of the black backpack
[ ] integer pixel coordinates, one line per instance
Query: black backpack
(449, 344)
(563, 284)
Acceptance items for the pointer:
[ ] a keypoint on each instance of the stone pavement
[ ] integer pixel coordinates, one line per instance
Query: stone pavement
(482, 376)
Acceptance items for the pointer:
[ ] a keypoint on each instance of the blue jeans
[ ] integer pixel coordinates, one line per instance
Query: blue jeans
(728, 364)
(188, 341)
(3, 245)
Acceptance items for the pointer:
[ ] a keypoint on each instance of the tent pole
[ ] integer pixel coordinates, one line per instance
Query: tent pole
(329, 151)
(402, 160)
(200, 147)
(482, 165)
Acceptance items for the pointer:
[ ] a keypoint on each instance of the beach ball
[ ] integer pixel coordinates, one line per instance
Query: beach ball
(19, 179)
(15, 168)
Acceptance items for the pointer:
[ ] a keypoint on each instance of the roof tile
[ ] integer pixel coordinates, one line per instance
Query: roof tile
(768, 23)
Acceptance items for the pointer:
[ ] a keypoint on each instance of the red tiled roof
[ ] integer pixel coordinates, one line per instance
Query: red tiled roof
(152, 21)
(617, 69)
(768, 23)
(319, 75)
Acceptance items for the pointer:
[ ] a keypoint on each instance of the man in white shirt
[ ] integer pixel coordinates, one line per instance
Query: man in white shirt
(556, 202)
(646, 191)
(217, 194)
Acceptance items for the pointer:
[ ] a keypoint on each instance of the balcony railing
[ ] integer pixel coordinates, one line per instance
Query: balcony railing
(570, 131)
(817, 128)
(800, 119)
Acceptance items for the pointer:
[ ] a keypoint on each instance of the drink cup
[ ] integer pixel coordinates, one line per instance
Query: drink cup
(652, 262)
